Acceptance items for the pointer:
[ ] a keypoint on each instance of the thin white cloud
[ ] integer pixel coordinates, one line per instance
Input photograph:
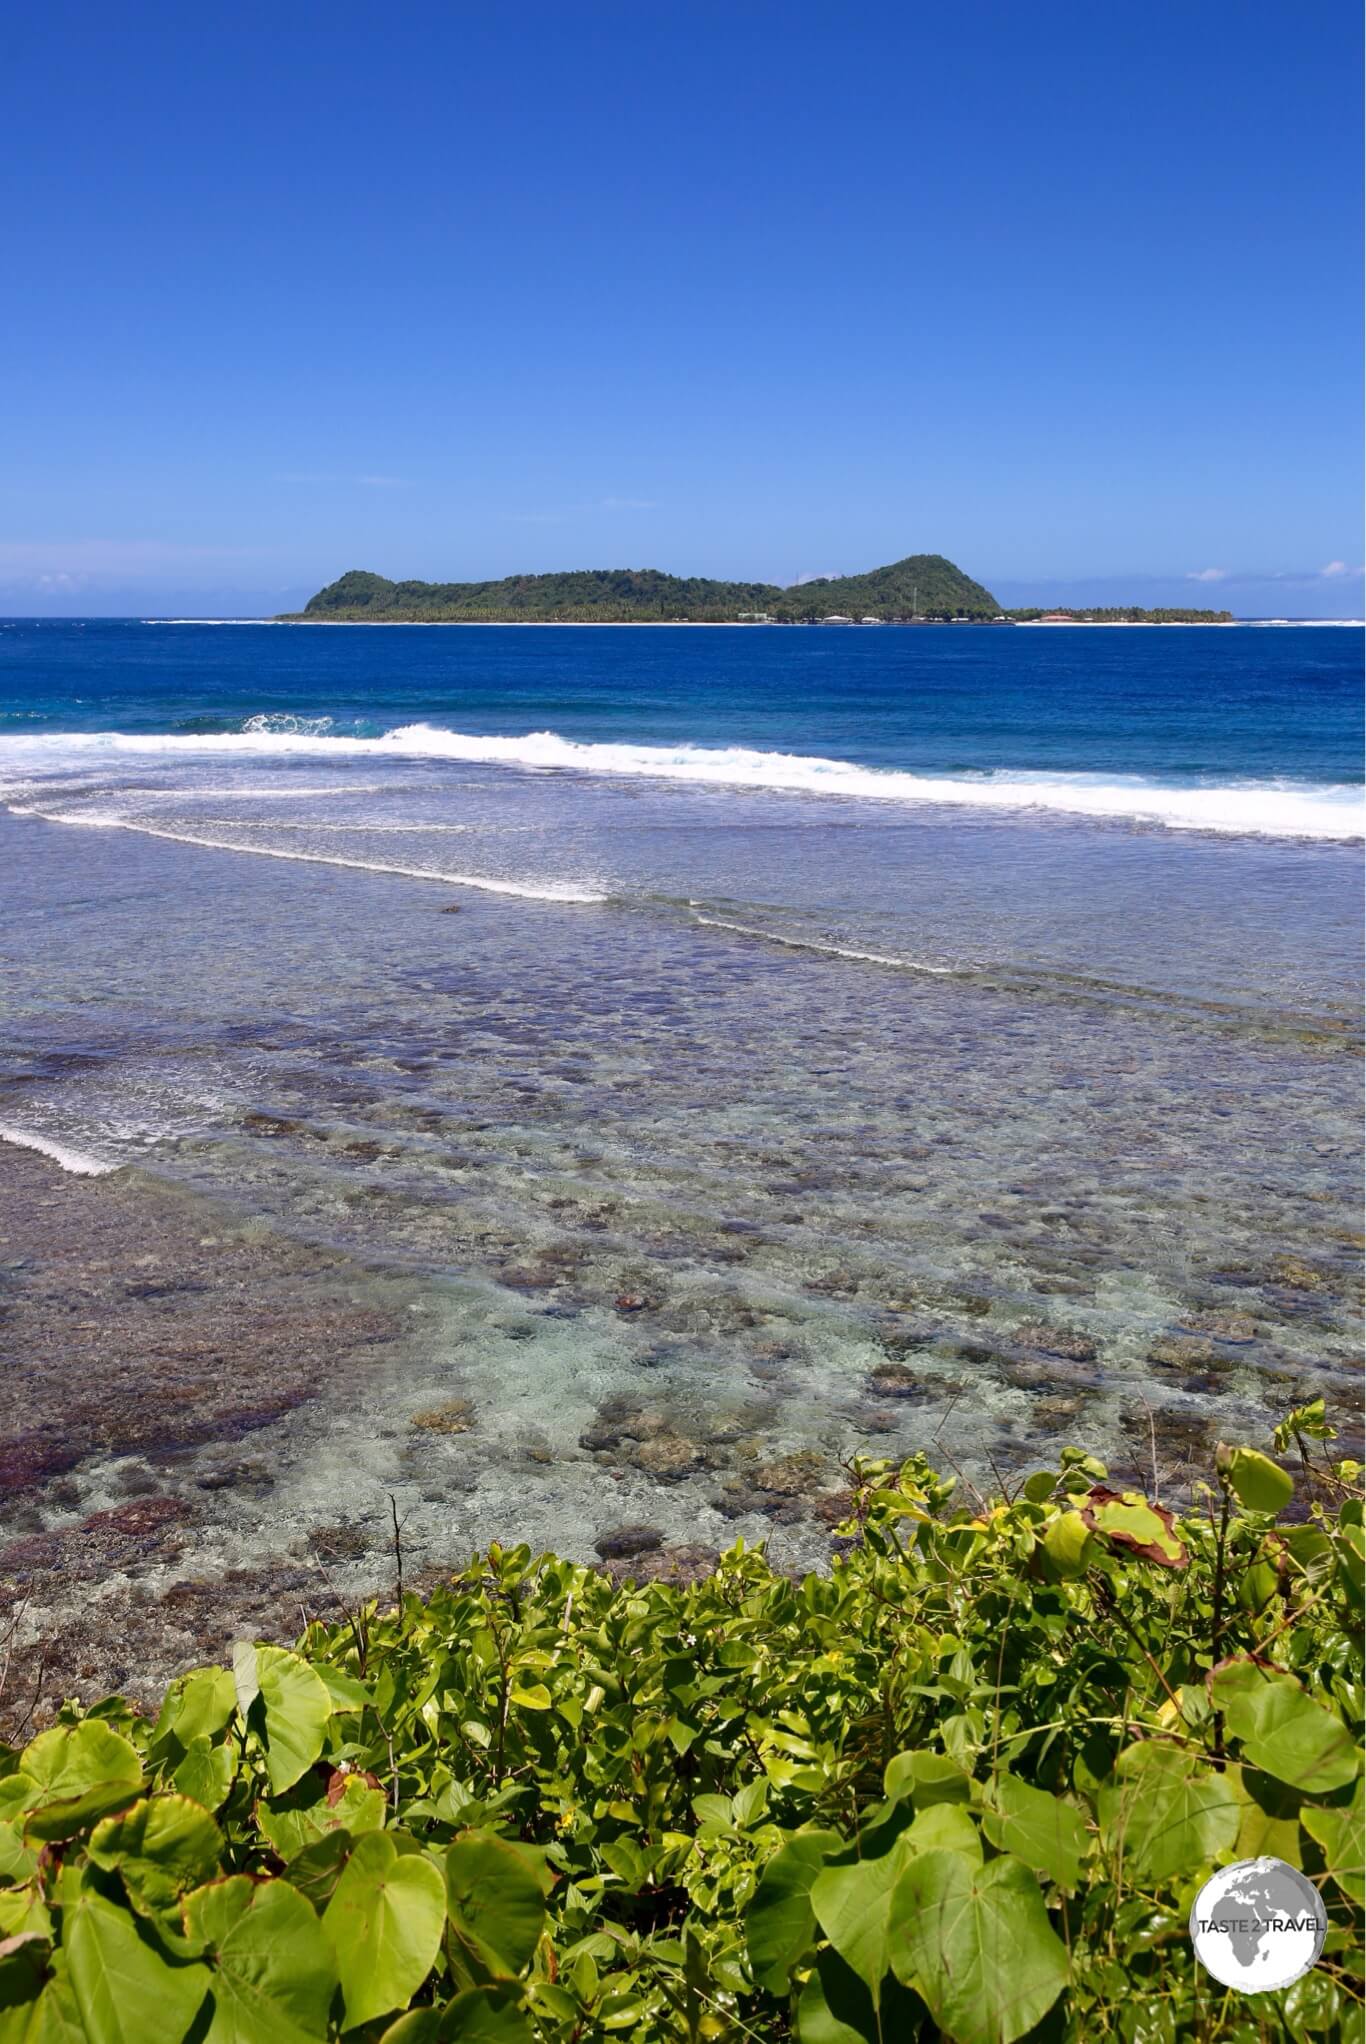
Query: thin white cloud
(1333, 571)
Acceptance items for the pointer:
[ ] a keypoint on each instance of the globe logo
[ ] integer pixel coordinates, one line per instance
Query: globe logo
(1258, 1925)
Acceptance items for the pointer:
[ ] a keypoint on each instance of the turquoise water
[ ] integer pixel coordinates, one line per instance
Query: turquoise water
(931, 1035)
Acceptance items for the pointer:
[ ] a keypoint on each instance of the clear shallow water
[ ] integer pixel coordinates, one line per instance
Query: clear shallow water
(889, 1114)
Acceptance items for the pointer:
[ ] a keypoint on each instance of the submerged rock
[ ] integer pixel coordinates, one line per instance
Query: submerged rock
(625, 1541)
(792, 1475)
(1181, 1352)
(974, 1304)
(667, 1456)
(345, 1542)
(1182, 1434)
(743, 1499)
(834, 1507)
(1050, 1340)
(1221, 1326)
(903, 1341)
(273, 1124)
(684, 1562)
(875, 1419)
(29, 1459)
(896, 1380)
(140, 1516)
(236, 1476)
(1059, 1408)
(1297, 1275)
(456, 1416)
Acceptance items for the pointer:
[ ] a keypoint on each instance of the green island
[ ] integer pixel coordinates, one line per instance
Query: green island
(922, 589)
(964, 1787)
(923, 585)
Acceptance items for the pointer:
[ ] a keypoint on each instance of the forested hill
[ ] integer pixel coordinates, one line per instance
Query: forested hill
(923, 585)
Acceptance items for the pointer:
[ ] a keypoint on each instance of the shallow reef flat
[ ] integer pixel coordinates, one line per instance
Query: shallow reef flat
(207, 1417)
(722, 1134)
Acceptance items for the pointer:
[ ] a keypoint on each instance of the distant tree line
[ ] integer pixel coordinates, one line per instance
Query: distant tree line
(1126, 614)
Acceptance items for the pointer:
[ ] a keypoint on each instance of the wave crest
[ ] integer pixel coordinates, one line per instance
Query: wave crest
(1274, 808)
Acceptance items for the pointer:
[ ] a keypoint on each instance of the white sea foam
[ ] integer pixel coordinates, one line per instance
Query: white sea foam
(75, 1161)
(1274, 808)
(241, 791)
(527, 890)
(826, 950)
(338, 829)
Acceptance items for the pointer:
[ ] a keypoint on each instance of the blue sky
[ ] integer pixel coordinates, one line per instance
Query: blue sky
(1067, 293)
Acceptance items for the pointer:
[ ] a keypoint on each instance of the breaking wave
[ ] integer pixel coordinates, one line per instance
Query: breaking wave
(1274, 808)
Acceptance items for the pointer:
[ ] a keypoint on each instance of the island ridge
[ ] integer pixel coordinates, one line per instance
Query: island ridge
(921, 588)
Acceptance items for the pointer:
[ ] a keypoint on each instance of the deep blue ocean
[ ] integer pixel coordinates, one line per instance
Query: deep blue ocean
(1170, 705)
(834, 994)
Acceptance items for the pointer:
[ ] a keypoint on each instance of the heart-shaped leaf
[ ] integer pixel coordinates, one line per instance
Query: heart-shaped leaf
(17, 1860)
(50, 2017)
(197, 1706)
(1129, 1523)
(852, 1904)
(1256, 1481)
(385, 1921)
(291, 1710)
(976, 1942)
(318, 1868)
(357, 1807)
(78, 1773)
(1068, 1545)
(944, 1827)
(1338, 1832)
(780, 1923)
(124, 1991)
(1283, 1730)
(925, 1778)
(495, 1900)
(206, 1773)
(161, 1847)
(1040, 1829)
(485, 2015)
(274, 1971)
(1167, 1811)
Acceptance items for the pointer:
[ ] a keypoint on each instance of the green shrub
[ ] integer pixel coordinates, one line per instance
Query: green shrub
(966, 1785)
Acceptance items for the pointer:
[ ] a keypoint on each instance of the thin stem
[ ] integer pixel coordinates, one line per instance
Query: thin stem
(1217, 1622)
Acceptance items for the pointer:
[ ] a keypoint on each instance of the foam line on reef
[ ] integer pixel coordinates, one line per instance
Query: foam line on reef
(527, 890)
(77, 1162)
(1271, 808)
(826, 950)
